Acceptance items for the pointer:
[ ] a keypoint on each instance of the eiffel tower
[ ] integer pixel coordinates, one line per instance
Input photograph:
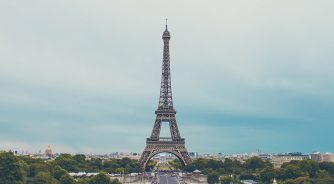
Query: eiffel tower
(165, 113)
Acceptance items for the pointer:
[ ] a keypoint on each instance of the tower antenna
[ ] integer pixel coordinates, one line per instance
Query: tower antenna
(166, 24)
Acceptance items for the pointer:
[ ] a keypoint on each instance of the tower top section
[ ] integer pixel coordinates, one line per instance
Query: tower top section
(166, 34)
(165, 99)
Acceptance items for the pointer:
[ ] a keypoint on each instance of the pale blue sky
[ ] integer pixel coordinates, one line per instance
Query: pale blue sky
(84, 75)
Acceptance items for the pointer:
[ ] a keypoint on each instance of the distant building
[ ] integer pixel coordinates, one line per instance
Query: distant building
(193, 154)
(322, 157)
(48, 152)
(278, 160)
(265, 156)
(238, 157)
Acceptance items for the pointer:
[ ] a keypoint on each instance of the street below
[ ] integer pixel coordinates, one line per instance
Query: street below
(167, 179)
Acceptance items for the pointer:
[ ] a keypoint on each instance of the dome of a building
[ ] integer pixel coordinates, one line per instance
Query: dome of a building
(48, 151)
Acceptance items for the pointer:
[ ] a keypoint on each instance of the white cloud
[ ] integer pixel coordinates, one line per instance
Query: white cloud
(87, 62)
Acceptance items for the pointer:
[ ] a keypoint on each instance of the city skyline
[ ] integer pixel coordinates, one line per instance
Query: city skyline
(85, 76)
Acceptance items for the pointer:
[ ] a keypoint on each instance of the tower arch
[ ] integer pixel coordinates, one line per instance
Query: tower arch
(176, 154)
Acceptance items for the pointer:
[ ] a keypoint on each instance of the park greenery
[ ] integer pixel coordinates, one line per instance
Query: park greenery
(26, 170)
(233, 171)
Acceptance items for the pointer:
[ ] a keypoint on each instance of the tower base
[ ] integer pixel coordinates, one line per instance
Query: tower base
(154, 147)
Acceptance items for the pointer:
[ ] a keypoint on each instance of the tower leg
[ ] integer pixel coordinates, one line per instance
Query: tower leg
(156, 128)
(152, 149)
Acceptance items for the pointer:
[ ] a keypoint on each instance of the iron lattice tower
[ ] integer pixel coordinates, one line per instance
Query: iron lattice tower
(165, 113)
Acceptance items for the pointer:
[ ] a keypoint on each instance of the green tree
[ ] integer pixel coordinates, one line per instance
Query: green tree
(44, 178)
(150, 165)
(176, 164)
(226, 179)
(267, 174)
(229, 180)
(110, 166)
(215, 164)
(11, 170)
(248, 176)
(327, 180)
(96, 164)
(327, 166)
(299, 180)
(256, 163)
(129, 165)
(64, 156)
(291, 171)
(67, 179)
(309, 166)
(120, 170)
(228, 165)
(83, 181)
(101, 178)
(213, 177)
(80, 158)
(189, 168)
(232, 166)
(59, 172)
(67, 162)
(37, 167)
(324, 177)
(24, 166)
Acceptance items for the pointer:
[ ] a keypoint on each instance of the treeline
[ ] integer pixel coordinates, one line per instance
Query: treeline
(232, 171)
(26, 170)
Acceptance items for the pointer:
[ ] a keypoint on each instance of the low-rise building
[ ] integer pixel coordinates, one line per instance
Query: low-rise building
(322, 157)
(278, 160)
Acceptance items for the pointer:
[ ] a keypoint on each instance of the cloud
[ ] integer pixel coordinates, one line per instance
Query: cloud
(261, 70)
